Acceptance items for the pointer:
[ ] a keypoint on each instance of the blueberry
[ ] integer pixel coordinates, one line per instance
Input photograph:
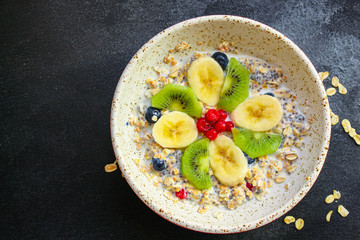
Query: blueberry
(270, 94)
(250, 160)
(152, 114)
(221, 58)
(158, 164)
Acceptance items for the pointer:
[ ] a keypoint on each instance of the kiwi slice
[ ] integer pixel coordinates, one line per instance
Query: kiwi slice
(236, 86)
(256, 144)
(177, 98)
(195, 164)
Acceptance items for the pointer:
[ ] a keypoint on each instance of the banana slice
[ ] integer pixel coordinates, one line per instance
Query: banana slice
(175, 130)
(227, 161)
(206, 78)
(258, 113)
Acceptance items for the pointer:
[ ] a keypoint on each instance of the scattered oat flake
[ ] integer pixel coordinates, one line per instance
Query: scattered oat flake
(336, 194)
(357, 139)
(110, 167)
(334, 119)
(330, 91)
(343, 211)
(329, 199)
(331, 113)
(323, 75)
(299, 224)
(328, 216)
(289, 219)
(346, 125)
(352, 132)
(335, 81)
(342, 89)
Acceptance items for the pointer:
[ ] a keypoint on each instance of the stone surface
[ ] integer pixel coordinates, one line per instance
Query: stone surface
(60, 63)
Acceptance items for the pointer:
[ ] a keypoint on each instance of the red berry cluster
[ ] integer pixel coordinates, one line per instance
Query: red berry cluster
(214, 123)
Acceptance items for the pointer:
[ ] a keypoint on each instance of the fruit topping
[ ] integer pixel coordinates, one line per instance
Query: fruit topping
(158, 165)
(259, 113)
(220, 126)
(229, 126)
(221, 58)
(227, 161)
(213, 123)
(211, 134)
(152, 114)
(175, 130)
(182, 194)
(177, 98)
(212, 115)
(236, 86)
(203, 125)
(194, 164)
(206, 78)
(249, 186)
(223, 114)
(270, 94)
(250, 160)
(256, 144)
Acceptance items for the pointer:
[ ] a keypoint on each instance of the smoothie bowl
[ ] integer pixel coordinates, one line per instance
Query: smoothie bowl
(220, 124)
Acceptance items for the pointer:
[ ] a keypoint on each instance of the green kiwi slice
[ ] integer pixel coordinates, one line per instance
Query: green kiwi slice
(236, 86)
(194, 164)
(256, 144)
(177, 98)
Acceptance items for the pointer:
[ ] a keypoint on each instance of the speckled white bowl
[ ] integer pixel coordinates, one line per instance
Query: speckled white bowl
(251, 38)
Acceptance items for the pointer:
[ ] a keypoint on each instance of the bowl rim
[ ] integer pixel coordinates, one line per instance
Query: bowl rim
(185, 223)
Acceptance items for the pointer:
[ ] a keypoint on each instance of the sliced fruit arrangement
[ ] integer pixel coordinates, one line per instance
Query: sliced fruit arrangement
(256, 144)
(206, 78)
(227, 161)
(259, 113)
(236, 86)
(177, 98)
(175, 130)
(195, 164)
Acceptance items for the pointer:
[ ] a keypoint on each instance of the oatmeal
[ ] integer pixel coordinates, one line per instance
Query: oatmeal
(163, 164)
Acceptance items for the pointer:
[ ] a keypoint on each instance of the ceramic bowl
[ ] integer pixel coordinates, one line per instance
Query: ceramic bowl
(250, 38)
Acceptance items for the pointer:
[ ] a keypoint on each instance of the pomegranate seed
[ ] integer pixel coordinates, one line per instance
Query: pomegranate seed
(229, 126)
(249, 186)
(223, 114)
(211, 134)
(220, 126)
(203, 125)
(182, 194)
(212, 115)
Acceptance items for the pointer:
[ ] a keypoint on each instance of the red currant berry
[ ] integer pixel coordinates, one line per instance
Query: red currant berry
(223, 114)
(211, 134)
(212, 115)
(182, 194)
(220, 126)
(229, 126)
(203, 125)
(249, 186)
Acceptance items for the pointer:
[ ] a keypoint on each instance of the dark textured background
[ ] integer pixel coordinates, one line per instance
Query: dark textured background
(60, 63)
